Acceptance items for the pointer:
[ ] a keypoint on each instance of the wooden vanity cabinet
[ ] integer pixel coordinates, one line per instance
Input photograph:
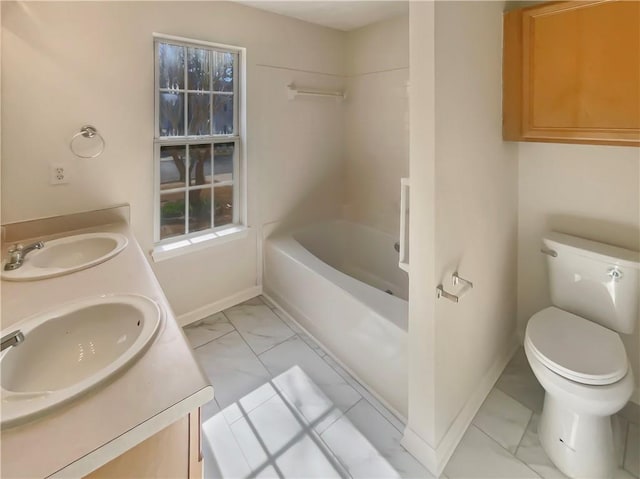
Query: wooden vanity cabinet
(174, 452)
(571, 73)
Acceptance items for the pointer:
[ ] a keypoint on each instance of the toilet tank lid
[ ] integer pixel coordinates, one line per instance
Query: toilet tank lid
(592, 249)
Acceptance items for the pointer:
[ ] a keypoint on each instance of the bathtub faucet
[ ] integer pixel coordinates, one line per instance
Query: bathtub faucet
(17, 254)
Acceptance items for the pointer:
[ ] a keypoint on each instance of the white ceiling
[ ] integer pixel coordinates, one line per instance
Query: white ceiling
(341, 15)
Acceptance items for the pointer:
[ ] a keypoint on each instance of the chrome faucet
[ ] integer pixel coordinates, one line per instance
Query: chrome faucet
(11, 339)
(17, 253)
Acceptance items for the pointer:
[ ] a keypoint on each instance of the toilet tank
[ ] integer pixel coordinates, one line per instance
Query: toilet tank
(594, 280)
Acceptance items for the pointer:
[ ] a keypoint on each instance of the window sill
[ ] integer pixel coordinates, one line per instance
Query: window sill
(197, 243)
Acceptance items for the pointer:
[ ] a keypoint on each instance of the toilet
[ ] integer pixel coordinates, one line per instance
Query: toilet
(577, 355)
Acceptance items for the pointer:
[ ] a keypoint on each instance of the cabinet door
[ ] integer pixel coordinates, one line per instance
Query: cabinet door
(172, 453)
(196, 462)
(572, 73)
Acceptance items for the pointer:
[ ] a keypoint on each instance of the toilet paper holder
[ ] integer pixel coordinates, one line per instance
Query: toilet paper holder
(456, 279)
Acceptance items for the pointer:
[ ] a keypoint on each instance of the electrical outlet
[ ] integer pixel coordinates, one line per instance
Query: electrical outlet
(58, 174)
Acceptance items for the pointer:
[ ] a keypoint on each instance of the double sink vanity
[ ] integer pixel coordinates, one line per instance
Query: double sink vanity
(97, 378)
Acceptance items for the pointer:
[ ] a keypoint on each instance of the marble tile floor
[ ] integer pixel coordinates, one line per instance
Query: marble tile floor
(284, 408)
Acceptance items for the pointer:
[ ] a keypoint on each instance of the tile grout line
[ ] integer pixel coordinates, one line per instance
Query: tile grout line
(626, 436)
(219, 337)
(276, 67)
(215, 339)
(261, 363)
(271, 347)
(312, 434)
(220, 409)
(344, 414)
(337, 408)
(515, 453)
(319, 435)
(293, 333)
(363, 397)
(239, 447)
(627, 429)
(624, 451)
(297, 335)
(251, 410)
(507, 451)
(345, 380)
(375, 72)
(257, 356)
(340, 416)
(516, 399)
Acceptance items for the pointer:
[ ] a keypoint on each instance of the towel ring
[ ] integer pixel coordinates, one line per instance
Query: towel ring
(88, 131)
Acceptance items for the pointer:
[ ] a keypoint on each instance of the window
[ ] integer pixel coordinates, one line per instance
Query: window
(197, 139)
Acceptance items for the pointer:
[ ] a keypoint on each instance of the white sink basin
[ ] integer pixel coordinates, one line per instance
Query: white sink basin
(71, 349)
(66, 255)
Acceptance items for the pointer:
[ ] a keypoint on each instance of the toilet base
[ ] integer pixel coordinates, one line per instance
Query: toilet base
(580, 445)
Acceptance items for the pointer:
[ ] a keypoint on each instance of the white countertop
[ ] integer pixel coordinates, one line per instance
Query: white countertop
(166, 383)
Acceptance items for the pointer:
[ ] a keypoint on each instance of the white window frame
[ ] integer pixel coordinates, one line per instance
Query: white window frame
(237, 228)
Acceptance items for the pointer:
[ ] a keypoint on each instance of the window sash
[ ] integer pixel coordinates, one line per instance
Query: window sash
(235, 183)
(186, 91)
(238, 182)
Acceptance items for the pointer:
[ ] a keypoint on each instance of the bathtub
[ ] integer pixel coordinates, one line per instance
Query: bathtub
(340, 281)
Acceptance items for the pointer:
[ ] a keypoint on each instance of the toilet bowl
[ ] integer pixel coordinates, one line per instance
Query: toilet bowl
(577, 355)
(587, 378)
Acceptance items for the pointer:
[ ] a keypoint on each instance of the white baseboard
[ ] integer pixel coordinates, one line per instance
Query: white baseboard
(217, 306)
(421, 450)
(436, 459)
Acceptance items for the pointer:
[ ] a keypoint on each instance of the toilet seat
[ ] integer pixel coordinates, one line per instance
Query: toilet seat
(576, 348)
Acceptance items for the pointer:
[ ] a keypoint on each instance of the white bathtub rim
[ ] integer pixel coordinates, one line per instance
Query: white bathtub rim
(280, 303)
(386, 306)
(340, 223)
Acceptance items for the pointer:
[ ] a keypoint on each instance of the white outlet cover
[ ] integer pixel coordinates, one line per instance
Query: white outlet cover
(59, 174)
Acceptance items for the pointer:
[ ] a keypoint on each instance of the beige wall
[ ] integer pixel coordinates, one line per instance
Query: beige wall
(68, 64)
(467, 223)
(419, 435)
(476, 203)
(588, 191)
(377, 122)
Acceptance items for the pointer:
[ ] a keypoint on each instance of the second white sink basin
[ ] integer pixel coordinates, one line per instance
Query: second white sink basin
(67, 255)
(71, 349)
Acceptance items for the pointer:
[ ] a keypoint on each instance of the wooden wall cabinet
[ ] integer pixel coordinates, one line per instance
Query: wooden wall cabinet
(173, 453)
(571, 73)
